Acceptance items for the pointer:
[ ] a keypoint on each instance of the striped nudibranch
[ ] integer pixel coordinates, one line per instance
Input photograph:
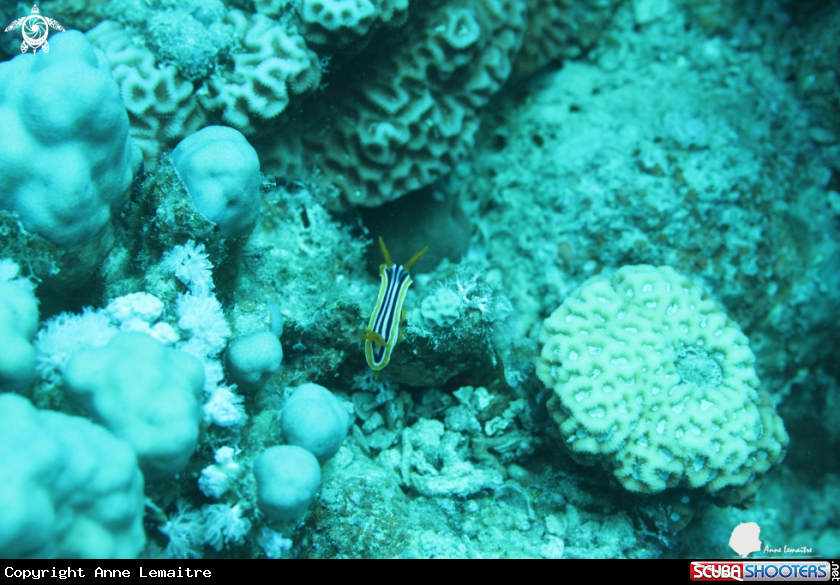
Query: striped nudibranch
(383, 331)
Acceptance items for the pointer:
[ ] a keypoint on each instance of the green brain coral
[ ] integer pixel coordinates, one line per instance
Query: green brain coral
(652, 380)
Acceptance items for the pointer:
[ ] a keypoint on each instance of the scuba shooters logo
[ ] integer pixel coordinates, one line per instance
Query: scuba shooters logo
(36, 29)
(769, 570)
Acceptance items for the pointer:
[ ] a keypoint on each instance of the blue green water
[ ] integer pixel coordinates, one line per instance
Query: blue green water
(620, 342)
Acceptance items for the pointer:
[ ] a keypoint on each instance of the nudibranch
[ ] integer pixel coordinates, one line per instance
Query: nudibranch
(383, 332)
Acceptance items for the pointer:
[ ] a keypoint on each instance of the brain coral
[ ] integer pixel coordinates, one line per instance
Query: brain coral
(173, 87)
(256, 83)
(652, 380)
(340, 23)
(160, 102)
(561, 29)
(404, 114)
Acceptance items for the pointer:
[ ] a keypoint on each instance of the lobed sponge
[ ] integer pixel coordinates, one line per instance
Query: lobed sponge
(440, 309)
(650, 378)
(143, 392)
(250, 360)
(18, 324)
(314, 419)
(69, 488)
(66, 160)
(221, 172)
(288, 478)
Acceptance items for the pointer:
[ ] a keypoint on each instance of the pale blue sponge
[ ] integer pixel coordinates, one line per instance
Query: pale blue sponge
(69, 489)
(250, 360)
(18, 324)
(146, 394)
(288, 478)
(221, 172)
(314, 419)
(66, 160)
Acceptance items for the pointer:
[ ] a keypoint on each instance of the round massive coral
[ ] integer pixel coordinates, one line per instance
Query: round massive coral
(652, 380)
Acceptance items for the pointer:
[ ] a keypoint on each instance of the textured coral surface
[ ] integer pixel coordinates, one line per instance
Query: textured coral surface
(652, 379)
(550, 154)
